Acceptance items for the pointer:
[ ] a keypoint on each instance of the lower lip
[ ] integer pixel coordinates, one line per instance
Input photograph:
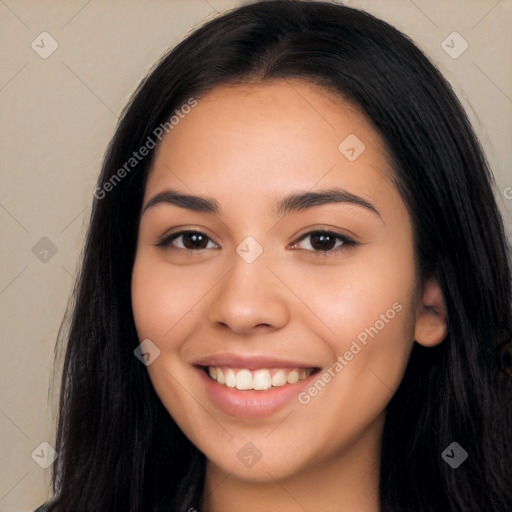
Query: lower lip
(251, 404)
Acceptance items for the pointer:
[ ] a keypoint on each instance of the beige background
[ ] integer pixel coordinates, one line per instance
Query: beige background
(57, 116)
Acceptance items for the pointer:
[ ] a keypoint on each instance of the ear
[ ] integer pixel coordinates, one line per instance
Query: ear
(430, 328)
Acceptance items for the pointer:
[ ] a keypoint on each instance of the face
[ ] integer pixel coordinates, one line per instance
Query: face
(282, 303)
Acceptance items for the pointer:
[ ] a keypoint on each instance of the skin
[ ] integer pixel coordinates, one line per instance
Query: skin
(246, 147)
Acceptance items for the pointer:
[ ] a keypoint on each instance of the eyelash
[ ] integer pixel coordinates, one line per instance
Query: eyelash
(166, 242)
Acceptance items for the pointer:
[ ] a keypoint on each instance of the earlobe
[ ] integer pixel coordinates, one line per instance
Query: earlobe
(430, 328)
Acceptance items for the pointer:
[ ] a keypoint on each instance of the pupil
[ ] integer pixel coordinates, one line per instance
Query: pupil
(318, 239)
(197, 240)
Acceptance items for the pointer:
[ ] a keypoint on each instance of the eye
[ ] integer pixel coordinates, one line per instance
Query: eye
(190, 241)
(322, 243)
(326, 243)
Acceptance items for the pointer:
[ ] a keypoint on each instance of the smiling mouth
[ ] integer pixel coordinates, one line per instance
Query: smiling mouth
(261, 379)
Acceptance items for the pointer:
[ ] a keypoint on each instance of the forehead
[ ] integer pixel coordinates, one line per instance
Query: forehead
(260, 139)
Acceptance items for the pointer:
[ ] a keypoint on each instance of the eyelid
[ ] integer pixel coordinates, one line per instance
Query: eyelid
(323, 228)
(347, 241)
(181, 230)
(166, 240)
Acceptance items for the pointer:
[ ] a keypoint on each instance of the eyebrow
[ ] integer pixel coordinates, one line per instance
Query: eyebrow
(294, 202)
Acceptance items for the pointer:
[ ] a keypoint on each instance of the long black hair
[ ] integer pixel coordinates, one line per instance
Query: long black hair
(118, 447)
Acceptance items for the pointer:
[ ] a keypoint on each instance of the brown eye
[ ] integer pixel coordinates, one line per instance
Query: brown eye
(195, 241)
(326, 242)
(190, 241)
(323, 241)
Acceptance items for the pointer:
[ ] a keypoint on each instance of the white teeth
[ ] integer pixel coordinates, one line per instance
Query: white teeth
(244, 380)
(293, 377)
(230, 377)
(279, 378)
(259, 380)
(221, 379)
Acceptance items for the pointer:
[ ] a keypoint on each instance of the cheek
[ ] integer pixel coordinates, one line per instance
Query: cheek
(370, 292)
(363, 310)
(163, 300)
(371, 326)
(162, 296)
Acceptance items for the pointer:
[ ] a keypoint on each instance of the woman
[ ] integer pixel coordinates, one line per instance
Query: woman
(294, 285)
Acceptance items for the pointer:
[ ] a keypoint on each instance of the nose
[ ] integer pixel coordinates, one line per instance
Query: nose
(250, 298)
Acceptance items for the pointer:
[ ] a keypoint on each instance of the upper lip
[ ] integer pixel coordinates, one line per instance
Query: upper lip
(250, 362)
